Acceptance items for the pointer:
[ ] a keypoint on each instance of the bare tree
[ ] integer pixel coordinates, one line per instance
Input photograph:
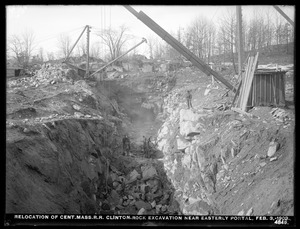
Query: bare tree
(41, 54)
(197, 34)
(81, 47)
(95, 50)
(115, 40)
(171, 53)
(279, 27)
(29, 45)
(200, 37)
(50, 56)
(64, 45)
(228, 28)
(16, 46)
(287, 32)
(22, 47)
(151, 43)
(269, 30)
(159, 49)
(210, 41)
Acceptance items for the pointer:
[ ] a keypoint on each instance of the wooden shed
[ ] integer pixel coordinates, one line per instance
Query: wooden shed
(268, 88)
(13, 71)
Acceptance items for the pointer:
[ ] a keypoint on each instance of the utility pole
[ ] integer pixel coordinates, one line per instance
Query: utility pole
(240, 38)
(143, 40)
(75, 44)
(88, 52)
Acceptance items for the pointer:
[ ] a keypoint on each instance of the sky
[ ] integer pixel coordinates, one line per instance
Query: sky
(48, 22)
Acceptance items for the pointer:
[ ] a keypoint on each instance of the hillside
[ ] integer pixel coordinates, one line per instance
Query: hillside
(276, 54)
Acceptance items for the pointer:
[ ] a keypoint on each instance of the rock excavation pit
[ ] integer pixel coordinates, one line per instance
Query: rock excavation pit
(64, 151)
(66, 157)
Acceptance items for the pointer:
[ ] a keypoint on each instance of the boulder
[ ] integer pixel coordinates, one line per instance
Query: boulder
(115, 197)
(153, 204)
(186, 161)
(249, 212)
(134, 175)
(189, 115)
(188, 128)
(164, 208)
(148, 172)
(78, 114)
(273, 158)
(188, 122)
(200, 158)
(141, 211)
(141, 204)
(182, 143)
(273, 147)
(241, 212)
(198, 208)
(76, 107)
(114, 177)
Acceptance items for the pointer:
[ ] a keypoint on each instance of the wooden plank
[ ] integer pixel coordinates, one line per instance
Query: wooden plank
(243, 83)
(281, 87)
(249, 82)
(253, 91)
(246, 79)
(237, 92)
(241, 111)
(247, 86)
(274, 91)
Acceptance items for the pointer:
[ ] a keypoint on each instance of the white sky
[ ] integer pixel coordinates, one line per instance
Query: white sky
(49, 21)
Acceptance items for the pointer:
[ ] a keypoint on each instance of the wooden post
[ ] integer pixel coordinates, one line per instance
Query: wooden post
(143, 40)
(87, 52)
(284, 15)
(240, 38)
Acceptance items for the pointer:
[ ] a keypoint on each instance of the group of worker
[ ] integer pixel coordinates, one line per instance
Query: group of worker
(147, 147)
(147, 141)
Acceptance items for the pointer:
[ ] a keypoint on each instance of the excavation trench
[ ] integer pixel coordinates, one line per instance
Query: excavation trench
(76, 165)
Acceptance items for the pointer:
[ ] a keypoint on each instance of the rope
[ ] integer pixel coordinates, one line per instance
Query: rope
(55, 35)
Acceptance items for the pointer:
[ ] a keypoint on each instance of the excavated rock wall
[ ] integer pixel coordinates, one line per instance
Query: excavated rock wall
(203, 150)
(58, 169)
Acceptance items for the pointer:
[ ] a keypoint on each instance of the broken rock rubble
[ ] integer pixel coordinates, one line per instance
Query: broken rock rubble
(273, 147)
(143, 193)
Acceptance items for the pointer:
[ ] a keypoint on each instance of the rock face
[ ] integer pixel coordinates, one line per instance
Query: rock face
(187, 123)
(189, 172)
(59, 164)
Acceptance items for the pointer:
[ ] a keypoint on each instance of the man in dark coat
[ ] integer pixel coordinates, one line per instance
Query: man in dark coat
(189, 99)
(126, 145)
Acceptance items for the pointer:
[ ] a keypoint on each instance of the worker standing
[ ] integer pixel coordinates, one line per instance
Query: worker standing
(149, 147)
(145, 148)
(126, 145)
(189, 99)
